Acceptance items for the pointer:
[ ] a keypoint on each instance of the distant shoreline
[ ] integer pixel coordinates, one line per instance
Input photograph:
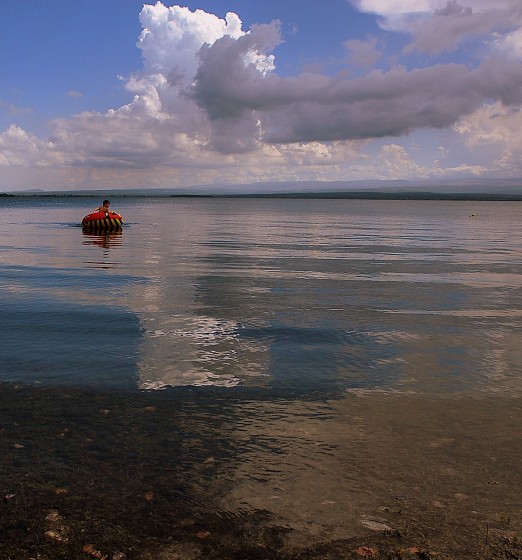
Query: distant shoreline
(348, 195)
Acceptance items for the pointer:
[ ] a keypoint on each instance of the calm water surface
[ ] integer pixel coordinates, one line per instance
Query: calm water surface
(295, 297)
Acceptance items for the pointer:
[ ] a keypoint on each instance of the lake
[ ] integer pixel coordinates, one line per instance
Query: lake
(302, 296)
(230, 366)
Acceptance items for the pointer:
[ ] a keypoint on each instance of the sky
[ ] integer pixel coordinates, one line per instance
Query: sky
(121, 94)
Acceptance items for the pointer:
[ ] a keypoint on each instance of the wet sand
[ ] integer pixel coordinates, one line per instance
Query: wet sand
(191, 474)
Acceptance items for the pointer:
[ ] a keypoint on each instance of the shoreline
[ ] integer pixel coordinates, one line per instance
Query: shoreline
(188, 476)
(334, 195)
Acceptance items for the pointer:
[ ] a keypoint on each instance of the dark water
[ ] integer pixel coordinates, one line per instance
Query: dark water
(303, 297)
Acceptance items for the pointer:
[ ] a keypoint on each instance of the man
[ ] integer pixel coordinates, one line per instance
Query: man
(105, 208)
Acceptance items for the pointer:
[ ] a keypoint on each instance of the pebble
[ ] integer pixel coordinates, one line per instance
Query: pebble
(375, 525)
(53, 517)
(91, 550)
(56, 536)
(203, 534)
(366, 552)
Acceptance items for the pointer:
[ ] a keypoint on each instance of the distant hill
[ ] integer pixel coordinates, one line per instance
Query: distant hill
(480, 188)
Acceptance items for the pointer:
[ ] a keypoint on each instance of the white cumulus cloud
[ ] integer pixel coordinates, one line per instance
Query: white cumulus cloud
(496, 130)
(19, 148)
(172, 37)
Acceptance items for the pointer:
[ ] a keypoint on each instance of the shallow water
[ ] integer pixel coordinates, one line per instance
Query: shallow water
(298, 297)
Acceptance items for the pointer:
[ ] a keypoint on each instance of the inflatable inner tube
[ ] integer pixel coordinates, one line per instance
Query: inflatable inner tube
(102, 221)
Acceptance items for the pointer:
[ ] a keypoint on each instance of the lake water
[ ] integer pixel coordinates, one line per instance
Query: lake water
(260, 378)
(296, 297)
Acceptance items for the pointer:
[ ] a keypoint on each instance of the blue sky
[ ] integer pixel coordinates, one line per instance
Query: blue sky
(116, 94)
